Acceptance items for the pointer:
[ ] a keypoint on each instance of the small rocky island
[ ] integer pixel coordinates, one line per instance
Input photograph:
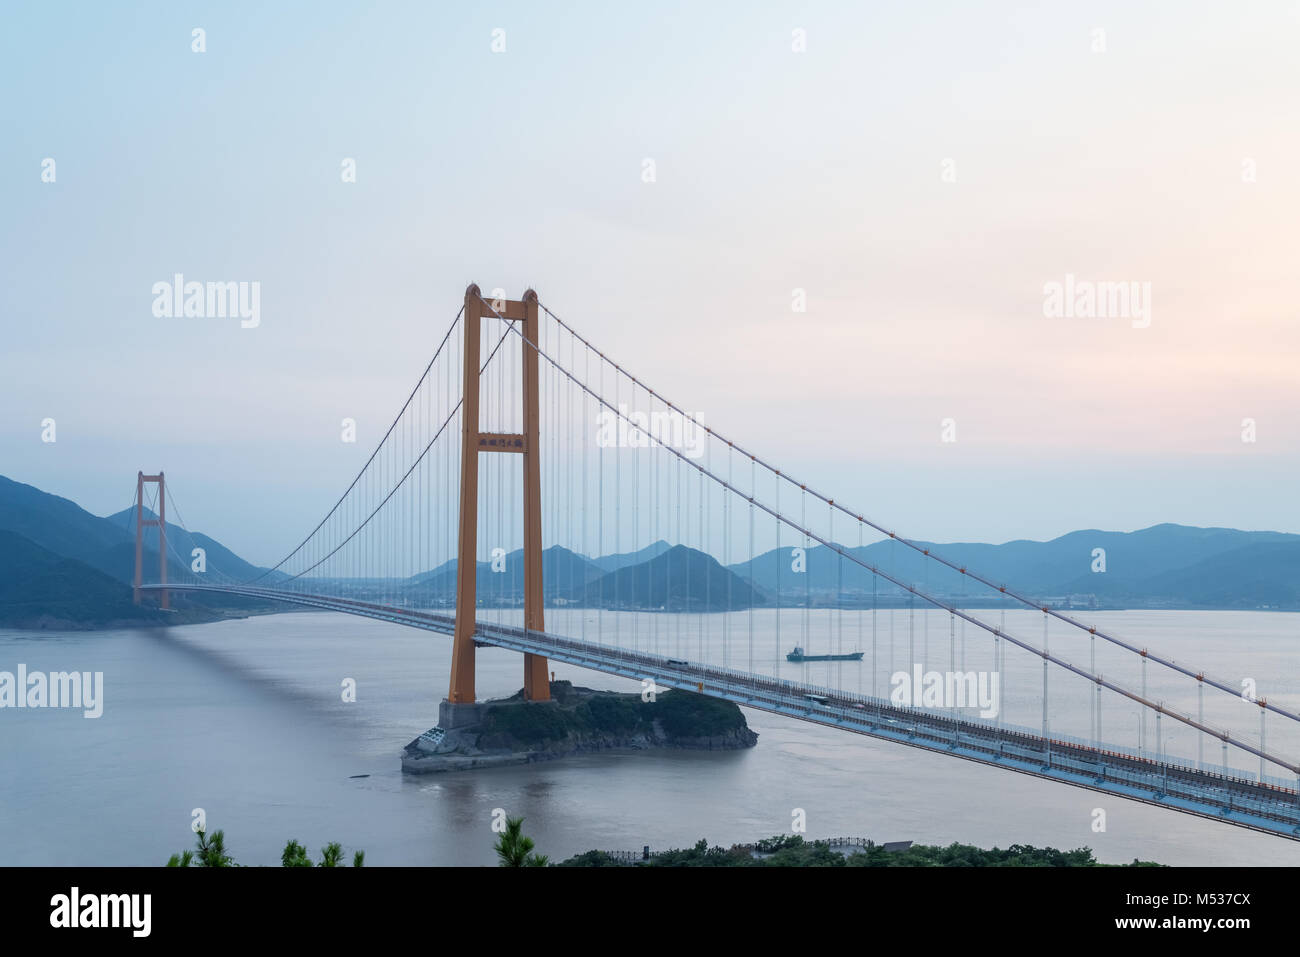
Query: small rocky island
(574, 721)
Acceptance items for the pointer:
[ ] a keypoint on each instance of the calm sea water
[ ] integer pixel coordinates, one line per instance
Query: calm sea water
(245, 719)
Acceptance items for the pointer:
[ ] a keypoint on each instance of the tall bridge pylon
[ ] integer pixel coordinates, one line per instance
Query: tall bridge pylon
(140, 524)
(473, 441)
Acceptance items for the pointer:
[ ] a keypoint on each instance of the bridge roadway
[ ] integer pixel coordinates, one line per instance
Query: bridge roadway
(1233, 800)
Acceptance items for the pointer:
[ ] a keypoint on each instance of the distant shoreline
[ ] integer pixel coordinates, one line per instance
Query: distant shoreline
(48, 623)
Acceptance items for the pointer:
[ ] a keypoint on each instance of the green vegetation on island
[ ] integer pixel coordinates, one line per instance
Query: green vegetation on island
(576, 721)
(578, 711)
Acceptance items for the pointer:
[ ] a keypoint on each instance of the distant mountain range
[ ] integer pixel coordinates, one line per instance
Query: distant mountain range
(656, 576)
(564, 573)
(611, 563)
(562, 570)
(677, 579)
(62, 566)
(1170, 565)
(39, 588)
(181, 545)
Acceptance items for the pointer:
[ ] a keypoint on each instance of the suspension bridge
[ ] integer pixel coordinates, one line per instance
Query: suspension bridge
(525, 495)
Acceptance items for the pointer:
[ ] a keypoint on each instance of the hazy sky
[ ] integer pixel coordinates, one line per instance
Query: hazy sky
(921, 171)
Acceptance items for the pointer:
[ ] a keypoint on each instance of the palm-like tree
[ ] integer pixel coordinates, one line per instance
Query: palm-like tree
(514, 848)
(331, 855)
(211, 853)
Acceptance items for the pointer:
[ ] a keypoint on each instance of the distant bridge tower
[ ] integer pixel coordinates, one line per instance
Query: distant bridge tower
(536, 686)
(140, 523)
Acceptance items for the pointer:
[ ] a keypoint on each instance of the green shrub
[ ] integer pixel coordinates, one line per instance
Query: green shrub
(684, 714)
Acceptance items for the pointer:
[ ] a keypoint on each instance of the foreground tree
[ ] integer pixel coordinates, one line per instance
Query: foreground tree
(211, 852)
(514, 848)
(295, 855)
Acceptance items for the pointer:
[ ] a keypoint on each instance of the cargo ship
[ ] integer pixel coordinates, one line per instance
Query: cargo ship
(798, 655)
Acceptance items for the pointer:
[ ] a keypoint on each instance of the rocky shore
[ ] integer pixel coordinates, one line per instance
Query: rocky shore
(575, 721)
